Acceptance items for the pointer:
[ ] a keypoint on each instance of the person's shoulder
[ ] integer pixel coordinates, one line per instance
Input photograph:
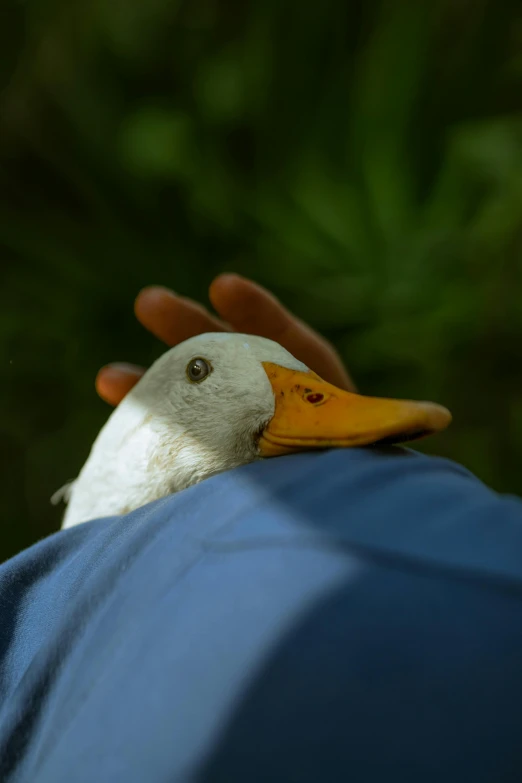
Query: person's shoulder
(391, 503)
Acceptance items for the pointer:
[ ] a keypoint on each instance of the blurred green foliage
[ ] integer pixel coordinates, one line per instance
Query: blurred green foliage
(362, 159)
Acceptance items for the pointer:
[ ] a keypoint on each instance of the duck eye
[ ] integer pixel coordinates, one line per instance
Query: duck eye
(198, 369)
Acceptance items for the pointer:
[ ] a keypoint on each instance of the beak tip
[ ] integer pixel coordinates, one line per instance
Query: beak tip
(439, 415)
(435, 418)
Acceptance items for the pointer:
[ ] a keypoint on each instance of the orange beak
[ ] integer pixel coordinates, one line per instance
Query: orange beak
(312, 414)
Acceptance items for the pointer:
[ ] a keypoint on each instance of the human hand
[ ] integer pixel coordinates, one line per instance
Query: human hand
(242, 306)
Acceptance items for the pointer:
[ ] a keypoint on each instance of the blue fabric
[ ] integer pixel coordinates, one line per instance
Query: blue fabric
(349, 615)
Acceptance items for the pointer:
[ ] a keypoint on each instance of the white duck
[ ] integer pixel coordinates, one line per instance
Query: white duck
(218, 401)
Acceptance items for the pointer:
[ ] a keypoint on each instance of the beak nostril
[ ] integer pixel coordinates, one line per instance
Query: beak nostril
(315, 397)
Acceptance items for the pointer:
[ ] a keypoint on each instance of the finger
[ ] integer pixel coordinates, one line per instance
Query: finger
(251, 309)
(173, 318)
(114, 381)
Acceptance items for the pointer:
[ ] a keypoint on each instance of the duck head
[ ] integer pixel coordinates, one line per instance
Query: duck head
(221, 400)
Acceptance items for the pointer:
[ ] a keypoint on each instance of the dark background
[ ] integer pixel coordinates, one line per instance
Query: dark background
(362, 159)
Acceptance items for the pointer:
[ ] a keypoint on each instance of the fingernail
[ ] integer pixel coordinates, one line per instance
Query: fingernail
(122, 368)
(229, 276)
(156, 289)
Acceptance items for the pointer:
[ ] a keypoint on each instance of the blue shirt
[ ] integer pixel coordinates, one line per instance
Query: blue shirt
(351, 615)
